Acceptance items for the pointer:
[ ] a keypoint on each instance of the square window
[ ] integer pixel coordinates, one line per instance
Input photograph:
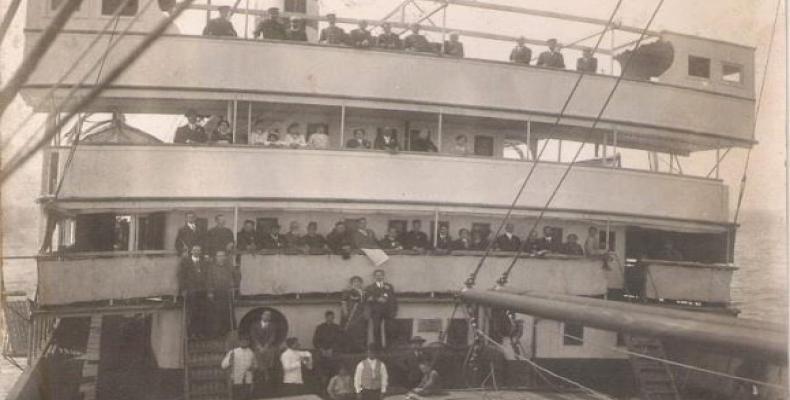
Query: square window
(484, 146)
(699, 67)
(732, 73)
(296, 6)
(571, 333)
(429, 325)
(515, 149)
(109, 7)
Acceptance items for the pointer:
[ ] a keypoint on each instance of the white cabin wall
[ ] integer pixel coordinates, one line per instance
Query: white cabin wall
(596, 344)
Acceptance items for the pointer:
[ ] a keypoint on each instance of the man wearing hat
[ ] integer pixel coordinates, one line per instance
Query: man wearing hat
(551, 58)
(388, 39)
(521, 54)
(271, 27)
(411, 361)
(191, 132)
(361, 36)
(371, 378)
(220, 26)
(332, 34)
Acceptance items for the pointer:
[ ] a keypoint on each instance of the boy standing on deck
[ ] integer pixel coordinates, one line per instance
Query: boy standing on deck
(241, 362)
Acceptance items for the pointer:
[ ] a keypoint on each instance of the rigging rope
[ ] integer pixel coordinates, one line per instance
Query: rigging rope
(543, 369)
(22, 157)
(757, 112)
(50, 94)
(678, 364)
(503, 280)
(470, 282)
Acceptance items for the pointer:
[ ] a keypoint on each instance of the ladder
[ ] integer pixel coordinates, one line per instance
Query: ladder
(654, 378)
(90, 366)
(205, 379)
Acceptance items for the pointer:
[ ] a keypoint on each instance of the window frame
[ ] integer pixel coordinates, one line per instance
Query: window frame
(136, 4)
(566, 328)
(741, 75)
(692, 59)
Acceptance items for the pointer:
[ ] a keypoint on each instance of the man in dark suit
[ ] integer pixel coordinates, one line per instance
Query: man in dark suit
(362, 237)
(220, 26)
(246, 239)
(219, 238)
(361, 36)
(508, 241)
(388, 39)
(551, 58)
(587, 63)
(358, 141)
(444, 241)
(292, 239)
(390, 240)
(191, 132)
(415, 41)
(339, 241)
(189, 234)
(273, 240)
(463, 242)
(332, 34)
(382, 305)
(271, 27)
(387, 140)
(415, 239)
(521, 54)
(193, 273)
(313, 241)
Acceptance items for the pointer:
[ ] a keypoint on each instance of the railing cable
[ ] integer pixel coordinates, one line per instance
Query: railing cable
(503, 280)
(470, 282)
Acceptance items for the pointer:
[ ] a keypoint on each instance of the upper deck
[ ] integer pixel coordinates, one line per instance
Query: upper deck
(676, 109)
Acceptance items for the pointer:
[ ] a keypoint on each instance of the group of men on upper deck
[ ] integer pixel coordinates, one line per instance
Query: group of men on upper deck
(276, 27)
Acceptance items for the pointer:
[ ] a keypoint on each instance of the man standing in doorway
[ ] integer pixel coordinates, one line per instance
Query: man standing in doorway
(382, 305)
(189, 234)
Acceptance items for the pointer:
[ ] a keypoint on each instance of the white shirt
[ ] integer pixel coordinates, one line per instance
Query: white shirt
(292, 365)
(296, 140)
(243, 362)
(372, 364)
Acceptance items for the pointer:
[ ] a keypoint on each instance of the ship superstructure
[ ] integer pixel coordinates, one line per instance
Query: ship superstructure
(114, 204)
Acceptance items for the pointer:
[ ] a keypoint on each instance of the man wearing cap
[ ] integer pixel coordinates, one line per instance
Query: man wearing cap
(587, 63)
(220, 26)
(191, 132)
(388, 39)
(271, 27)
(415, 41)
(361, 36)
(332, 34)
(454, 47)
(521, 54)
(370, 377)
(189, 235)
(551, 58)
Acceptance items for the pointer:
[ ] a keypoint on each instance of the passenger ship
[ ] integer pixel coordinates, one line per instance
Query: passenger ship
(107, 315)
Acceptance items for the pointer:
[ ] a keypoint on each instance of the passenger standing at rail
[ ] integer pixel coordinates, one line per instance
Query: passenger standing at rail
(592, 245)
(444, 241)
(358, 141)
(587, 63)
(313, 241)
(219, 238)
(296, 30)
(416, 42)
(220, 282)
(416, 239)
(572, 247)
(521, 54)
(292, 239)
(192, 282)
(361, 37)
(247, 239)
(271, 27)
(387, 140)
(273, 240)
(220, 26)
(390, 240)
(353, 318)
(332, 34)
(189, 235)
(454, 47)
(362, 237)
(388, 39)
(423, 142)
(339, 240)
(508, 241)
(191, 133)
(551, 58)
(463, 242)
(294, 137)
(382, 305)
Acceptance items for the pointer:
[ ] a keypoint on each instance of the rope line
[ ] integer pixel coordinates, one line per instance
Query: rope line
(742, 188)
(678, 364)
(545, 370)
(50, 94)
(470, 282)
(503, 280)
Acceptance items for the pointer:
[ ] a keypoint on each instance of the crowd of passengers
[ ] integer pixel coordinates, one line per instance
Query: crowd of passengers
(276, 27)
(345, 240)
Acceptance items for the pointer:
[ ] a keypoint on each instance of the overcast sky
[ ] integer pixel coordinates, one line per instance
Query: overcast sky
(743, 21)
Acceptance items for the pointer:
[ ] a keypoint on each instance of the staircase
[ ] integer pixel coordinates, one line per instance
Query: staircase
(205, 379)
(654, 378)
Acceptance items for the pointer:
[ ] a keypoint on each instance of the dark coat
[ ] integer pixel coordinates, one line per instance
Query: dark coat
(328, 336)
(382, 301)
(364, 241)
(217, 239)
(337, 241)
(460, 244)
(551, 59)
(381, 144)
(454, 49)
(270, 29)
(193, 276)
(587, 64)
(246, 240)
(388, 243)
(356, 144)
(186, 134)
(272, 243)
(333, 35)
(360, 38)
(444, 243)
(390, 41)
(298, 35)
(219, 27)
(521, 55)
(313, 242)
(416, 42)
(504, 244)
(186, 238)
(415, 240)
(426, 145)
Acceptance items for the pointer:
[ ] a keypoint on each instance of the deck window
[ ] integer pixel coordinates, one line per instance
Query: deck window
(296, 6)
(429, 325)
(109, 7)
(732, 73)
(484, 145)
(401, 225)
(571, 331)
(458, 332)
(699, 67)
(515, 149)
(151, 232)
(102, 232)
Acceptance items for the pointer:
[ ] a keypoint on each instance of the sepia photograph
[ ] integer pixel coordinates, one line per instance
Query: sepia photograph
(393, 199)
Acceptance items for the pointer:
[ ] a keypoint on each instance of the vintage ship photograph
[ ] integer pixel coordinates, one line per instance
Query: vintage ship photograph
(393, 199)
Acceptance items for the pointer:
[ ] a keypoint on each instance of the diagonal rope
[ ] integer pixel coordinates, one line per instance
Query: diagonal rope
(34, 56)
(545, 370)
(20, 158)
(10, 13)
(50, 94)
(503, 280)
(742, 188)
(470, 282)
